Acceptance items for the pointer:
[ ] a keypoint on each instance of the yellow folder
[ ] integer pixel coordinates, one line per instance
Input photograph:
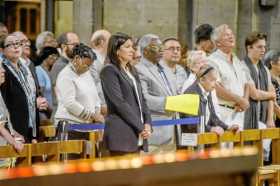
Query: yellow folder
(186, 103)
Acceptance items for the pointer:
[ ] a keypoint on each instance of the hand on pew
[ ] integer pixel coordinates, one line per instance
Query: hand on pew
(270, 124)
(17, 136)
(218, 130)
(18, 145)
(234, 128)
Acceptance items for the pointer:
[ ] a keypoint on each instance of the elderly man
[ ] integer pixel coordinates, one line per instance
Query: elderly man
(99, 45)
(233, 76)
(170, 59)
(157, 84)
(42, 103)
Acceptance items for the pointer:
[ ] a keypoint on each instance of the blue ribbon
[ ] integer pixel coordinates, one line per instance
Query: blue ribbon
(156, 123)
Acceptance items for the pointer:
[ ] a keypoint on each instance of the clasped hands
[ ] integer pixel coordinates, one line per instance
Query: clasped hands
(146, 133)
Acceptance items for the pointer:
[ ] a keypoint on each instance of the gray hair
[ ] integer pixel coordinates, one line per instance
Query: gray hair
(41, 38)
(271, 57)
(146, 40)
(218, 31)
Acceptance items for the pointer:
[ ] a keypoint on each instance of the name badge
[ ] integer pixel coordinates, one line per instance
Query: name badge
(189, 139)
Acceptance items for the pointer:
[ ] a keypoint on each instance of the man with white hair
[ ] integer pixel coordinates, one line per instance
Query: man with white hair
(157, 84)
(233, 76)
(99, 44)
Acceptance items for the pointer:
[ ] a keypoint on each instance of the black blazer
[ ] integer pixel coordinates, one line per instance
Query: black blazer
(213, 119)
(16, 102)
(123, 123)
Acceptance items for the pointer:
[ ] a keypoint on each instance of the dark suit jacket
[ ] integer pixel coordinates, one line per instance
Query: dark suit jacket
(123, 123)
(16, 102)
(213, 119)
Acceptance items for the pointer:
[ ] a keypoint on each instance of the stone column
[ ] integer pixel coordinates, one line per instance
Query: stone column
(87, 17)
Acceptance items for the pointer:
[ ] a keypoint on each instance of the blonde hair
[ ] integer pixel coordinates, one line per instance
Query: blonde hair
(194, 56)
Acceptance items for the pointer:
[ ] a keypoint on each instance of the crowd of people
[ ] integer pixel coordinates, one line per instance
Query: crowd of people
(124, 82)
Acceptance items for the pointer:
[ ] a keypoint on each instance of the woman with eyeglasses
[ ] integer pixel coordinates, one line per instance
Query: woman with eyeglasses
(128, 124)
(18, 93)
(78, 100)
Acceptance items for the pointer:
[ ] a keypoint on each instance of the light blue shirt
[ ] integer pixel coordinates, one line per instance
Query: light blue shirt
(45, 84)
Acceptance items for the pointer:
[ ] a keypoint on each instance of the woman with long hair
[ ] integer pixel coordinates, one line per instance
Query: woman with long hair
(127, 126)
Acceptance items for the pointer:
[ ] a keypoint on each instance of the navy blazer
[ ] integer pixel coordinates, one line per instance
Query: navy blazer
(213, 119)
(123, 123)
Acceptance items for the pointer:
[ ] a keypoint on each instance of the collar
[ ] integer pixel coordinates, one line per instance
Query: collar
(99, 56)
(224, 56)
(204, 92)
(164, 63)
(148, 63)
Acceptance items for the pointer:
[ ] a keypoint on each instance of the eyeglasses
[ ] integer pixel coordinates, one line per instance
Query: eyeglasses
(173, 49)
(13, 45)
(25, 42)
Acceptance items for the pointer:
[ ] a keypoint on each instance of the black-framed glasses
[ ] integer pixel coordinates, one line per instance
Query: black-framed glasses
(16, 44)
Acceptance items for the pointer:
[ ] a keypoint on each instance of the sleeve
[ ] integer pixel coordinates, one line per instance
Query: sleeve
(41, 79)
(155, 103)
(112, 89)
(66, 95)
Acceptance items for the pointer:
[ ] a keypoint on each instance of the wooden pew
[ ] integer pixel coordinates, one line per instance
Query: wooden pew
(51, 149)
(24, 156)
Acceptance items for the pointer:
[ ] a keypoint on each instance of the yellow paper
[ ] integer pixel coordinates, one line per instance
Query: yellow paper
(186, 103)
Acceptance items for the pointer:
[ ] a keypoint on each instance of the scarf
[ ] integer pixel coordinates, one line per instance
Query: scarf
(24, 77)
(258, 109)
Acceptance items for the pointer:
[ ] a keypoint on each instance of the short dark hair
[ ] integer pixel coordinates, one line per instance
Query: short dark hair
(169, 39)
(83, 51)
(115, 42)
(45, 53)
(253, 37)
(203, 33)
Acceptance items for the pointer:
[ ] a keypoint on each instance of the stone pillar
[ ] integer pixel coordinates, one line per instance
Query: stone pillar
(185, 22)
(139, 17)
(87, 16)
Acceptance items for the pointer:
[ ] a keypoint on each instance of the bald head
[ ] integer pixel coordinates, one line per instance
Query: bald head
(99, 40)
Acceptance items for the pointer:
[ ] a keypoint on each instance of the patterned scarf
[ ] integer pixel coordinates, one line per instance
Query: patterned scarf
(24, 77)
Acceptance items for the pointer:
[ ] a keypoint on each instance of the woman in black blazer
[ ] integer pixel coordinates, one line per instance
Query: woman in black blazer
(19, 91)
(127, 126)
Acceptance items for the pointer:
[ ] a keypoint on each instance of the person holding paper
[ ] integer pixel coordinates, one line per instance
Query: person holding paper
(157, 85)
(203, 86)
